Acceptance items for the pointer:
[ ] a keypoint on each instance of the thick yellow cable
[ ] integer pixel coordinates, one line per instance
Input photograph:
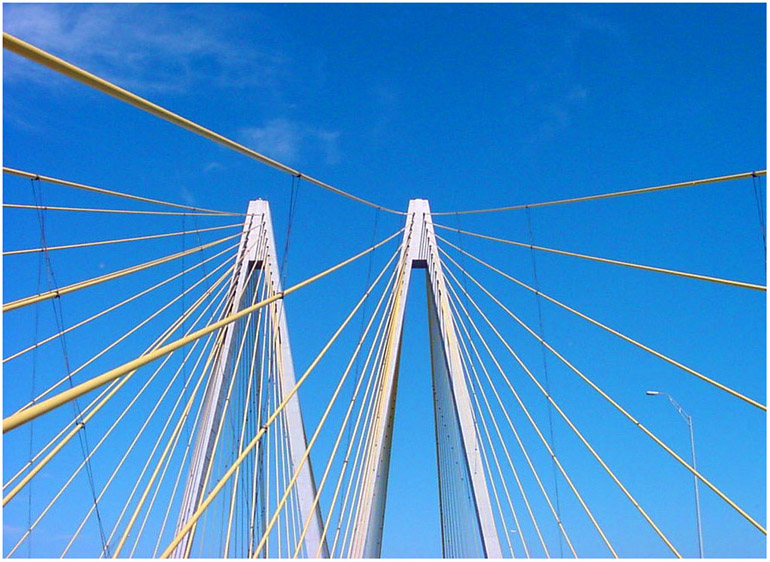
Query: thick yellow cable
(109, 276)
(117, 211)
(465, 357)
(580, 436)
(127, 334)
(118, 305)
(691, 183)
(490, 413)
(41, 408)
(116, 241)
(57, 181)
(613, 262)
(515, 432)
(93, 411)
(233, 467)
(147, 420)
(324, 416)
(618, 407)
(551, 452)
(370, 400)
(612, 331)
(40, 56)
(343, 425)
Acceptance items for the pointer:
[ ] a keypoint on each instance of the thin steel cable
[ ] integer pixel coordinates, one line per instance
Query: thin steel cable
(40, 56)
(697, 276)
(691, 183)
(116, 211)
(115, 241)
(760, 213)
(59, 319)
(544, 355)
(504, 410)
(66, 183)
(107, 277)
(622, 410)
(613, 331)
(32, 412)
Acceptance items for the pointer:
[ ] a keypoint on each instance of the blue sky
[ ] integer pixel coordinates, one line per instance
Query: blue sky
(469, 106)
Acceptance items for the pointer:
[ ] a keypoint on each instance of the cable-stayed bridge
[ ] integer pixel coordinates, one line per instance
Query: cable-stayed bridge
(197, 445)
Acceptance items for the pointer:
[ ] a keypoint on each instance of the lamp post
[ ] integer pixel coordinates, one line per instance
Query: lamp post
(688, 419)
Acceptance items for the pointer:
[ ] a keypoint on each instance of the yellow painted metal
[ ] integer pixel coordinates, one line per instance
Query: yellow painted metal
(16, 45)
(109, 276)
(233, 467)
(118, 305)
(41, 408)
(343, 425)
(117, 240)
(57, 181)
(618, 407)
(93, 411)
(614, 262)
(117, 211)
(613, 331)
(691, 183)
(512, 426)
(324, 416)
(577, 432)
(534, 425)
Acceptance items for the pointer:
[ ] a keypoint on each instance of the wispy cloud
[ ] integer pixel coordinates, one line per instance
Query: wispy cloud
(288, 141)
(150, 48)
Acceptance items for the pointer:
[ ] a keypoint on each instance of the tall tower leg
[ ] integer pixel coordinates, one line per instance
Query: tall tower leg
(257, 240)
(460, 465)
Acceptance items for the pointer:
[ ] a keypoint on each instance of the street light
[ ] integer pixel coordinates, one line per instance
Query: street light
(688, 420)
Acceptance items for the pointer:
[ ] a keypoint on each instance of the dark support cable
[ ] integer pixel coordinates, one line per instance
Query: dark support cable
(545, 371)
(59, 318)
(760, 212)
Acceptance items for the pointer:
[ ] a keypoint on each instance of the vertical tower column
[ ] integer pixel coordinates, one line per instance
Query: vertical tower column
(460, 466)
(257, 240)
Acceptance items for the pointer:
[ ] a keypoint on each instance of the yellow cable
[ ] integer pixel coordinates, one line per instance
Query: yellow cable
(542, 437)
(618, 407)
(109, 276)
(117, 211)
(91, 413)
(226, 476)
(612, 331)
(614, 262)
(491, 414)
(126, 335)
(363, 438)
(343, 425)
(115, 241)
(324, 416)
(691, 183)
(147, 420)
(465, 358)
(585, 441)
(57, 181)
(115, 306)
(40, 56)
(516, 435)
(370, 379)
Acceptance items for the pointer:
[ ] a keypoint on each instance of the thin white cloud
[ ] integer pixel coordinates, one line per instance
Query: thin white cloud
(145, 47)
(287, 141)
